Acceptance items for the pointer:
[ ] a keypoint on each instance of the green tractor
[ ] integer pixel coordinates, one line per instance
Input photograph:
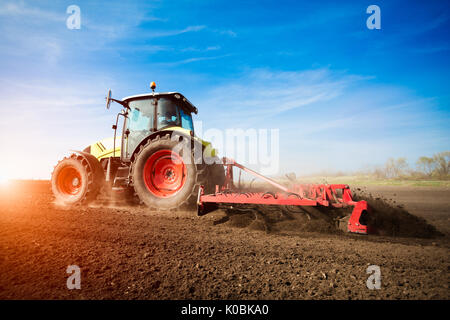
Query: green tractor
(157, 160)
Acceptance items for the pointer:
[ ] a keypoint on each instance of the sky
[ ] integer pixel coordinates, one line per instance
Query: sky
(343, 97)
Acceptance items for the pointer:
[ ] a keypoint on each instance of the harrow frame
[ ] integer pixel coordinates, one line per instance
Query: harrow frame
(303, 195)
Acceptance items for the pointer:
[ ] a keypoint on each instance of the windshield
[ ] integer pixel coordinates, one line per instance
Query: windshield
(168, 114)
(171, 114)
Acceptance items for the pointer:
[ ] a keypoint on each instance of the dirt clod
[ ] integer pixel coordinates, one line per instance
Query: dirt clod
(396, 221)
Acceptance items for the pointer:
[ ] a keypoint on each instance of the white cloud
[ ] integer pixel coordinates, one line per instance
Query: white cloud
(20, 9)
(169, 33)
(261, 94)
(196, 49)
(190, 60)
(230, 33)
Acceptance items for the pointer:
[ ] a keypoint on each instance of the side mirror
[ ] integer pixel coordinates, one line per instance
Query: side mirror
(108, 99)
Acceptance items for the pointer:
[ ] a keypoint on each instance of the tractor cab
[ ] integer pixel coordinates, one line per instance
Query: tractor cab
(149, 113)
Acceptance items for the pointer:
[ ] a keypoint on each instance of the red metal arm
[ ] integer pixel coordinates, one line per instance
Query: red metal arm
(302, 195)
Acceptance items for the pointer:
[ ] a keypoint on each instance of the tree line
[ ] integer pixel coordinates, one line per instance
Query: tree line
(435, 167)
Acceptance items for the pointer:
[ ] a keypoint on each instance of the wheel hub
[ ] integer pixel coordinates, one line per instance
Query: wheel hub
(170, 175)
(75, 182)
(164, 173)
(69, 181)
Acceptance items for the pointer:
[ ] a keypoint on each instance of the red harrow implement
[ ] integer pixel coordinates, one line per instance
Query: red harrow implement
(318, 199)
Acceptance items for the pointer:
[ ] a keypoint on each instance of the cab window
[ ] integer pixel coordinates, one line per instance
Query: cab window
(167, 114)
(186, 120)
(141, 116)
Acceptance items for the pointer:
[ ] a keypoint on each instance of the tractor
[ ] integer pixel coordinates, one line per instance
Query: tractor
(157, 160)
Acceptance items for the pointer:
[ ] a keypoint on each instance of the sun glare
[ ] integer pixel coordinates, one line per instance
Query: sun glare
(4, 181)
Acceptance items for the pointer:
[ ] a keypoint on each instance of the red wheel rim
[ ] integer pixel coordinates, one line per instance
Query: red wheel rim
(69, 181)
(164, 173)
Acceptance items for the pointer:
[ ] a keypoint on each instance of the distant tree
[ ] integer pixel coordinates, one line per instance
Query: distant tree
(437, 167)
(442, 164)
(426, 165)
(379, 173)
(401, 167)
(395, 168)
(389, 168)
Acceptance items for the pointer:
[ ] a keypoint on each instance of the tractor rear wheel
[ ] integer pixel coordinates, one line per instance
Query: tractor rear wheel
(166, 179)
(73, 182)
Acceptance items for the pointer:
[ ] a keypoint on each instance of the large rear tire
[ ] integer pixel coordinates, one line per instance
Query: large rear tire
(165, 179)
(74, 182)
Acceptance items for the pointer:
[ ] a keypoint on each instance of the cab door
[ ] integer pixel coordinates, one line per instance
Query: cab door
(139, 124)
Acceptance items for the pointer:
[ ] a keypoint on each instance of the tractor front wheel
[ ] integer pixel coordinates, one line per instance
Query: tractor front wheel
(73, 182)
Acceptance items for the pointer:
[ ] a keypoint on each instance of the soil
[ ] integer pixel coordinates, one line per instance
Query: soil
(130, 252)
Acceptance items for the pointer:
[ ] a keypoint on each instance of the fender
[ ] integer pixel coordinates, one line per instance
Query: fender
(162, 133)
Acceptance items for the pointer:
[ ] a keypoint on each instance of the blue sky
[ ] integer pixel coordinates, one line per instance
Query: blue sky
(344, 97)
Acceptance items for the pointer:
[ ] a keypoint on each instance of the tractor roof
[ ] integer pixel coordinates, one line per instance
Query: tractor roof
(177, 95)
